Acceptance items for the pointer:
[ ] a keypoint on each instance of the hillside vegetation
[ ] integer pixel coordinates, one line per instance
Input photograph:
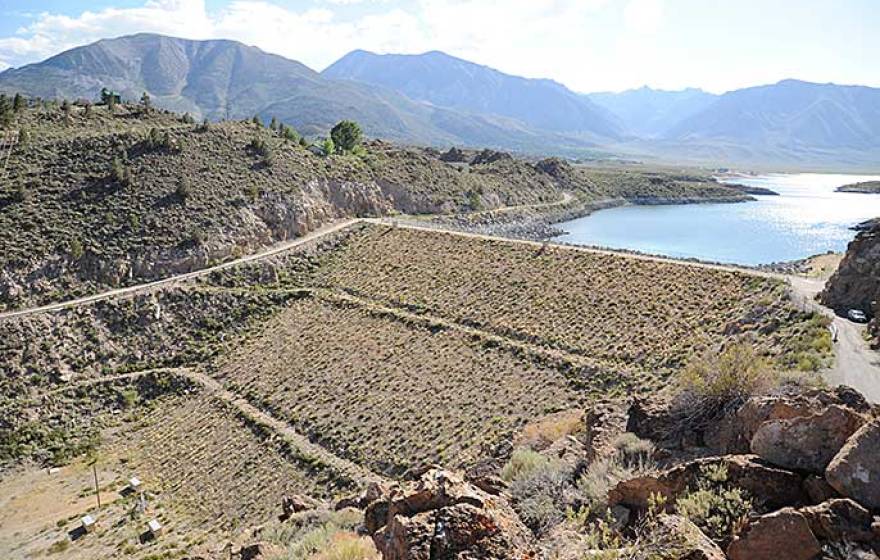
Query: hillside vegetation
(96, 198)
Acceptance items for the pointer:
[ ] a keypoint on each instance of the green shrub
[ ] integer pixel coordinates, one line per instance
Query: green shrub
(540, 495)
(522, 462)
(736, 372)
(714, 506)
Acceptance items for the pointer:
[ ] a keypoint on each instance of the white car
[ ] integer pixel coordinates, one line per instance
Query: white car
(857, 316)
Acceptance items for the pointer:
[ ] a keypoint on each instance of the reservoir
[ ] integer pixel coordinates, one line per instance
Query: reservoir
(807, 218)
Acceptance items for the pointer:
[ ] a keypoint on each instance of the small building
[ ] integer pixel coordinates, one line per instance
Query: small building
(155, 528)
(88, 523)
(134, 484)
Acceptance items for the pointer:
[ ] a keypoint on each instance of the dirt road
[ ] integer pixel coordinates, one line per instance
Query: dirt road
(855, 363)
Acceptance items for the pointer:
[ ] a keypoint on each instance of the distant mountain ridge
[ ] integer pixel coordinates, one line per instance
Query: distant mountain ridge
(650, 113)
(440, 100)
(447, 81)
(221, 79)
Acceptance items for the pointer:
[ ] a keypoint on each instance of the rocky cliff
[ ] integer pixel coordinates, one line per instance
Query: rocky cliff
(856, 284)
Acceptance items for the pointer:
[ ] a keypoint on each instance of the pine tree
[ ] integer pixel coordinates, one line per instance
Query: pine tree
(346, 136)
(18, 103)
(273, 125)
(256, 120)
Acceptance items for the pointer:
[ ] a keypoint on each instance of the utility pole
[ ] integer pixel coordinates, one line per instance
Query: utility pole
(97, 488)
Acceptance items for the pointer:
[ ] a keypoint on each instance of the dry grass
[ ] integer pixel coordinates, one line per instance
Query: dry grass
(622, 311)
(215, 467)
(387, 393)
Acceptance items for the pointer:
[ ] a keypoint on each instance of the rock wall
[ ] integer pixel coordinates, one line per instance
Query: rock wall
(856, 284)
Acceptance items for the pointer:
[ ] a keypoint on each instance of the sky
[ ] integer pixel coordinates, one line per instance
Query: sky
(588, 45)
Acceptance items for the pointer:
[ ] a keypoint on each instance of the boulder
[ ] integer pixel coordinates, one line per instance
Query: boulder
(295, 504)
(734, 433)
(855, 470)
(806, 442)
(260, 551)
(444, 516)
(839, 519)
(693, 543)
(770, 487)
(782, 535)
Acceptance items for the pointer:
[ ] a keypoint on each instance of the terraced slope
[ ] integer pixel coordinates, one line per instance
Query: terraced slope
(619, 310)
(392, 392)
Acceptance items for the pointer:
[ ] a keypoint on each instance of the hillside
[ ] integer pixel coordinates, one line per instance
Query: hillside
(220, 79)
(650, 113)
(447, 81)
(96, 199)
(282, 387)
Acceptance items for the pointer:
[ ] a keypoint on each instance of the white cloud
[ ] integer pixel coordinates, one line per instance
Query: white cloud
(643, 16)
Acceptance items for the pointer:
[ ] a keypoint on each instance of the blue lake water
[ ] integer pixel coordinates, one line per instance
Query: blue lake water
(807, 218)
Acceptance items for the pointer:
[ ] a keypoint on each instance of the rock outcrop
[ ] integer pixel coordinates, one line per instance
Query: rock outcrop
(856, 284)
(855, 470)
(782, 534)
(442, 516)
(806, 442)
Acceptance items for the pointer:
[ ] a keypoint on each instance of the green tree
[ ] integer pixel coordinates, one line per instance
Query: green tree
(188, 119)
(76, 249)
(329, 147)
(18, 103)
(303, 142)
(289, 133)
(346, 136)
(273, 124)
(256, 120)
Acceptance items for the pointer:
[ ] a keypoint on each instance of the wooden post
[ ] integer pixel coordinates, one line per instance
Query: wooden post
(97, 488)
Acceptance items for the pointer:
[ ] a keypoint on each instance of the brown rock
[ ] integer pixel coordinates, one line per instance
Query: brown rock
(839, 519)
(295, 504)
(770, 487)
(442, 514)
(695, 545)
(782, 535)
(734, 433)
(259, 551)
(806, 442)
(855, 470)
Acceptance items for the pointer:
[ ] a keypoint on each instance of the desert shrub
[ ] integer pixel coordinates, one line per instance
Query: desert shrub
(319, 534)
(129, 398)
(714, 506)
(20, 194)
(328, 146)
(598, 478)
(544, 432)
(633, 451)
(523, 461)
(289, 133)
(182, 190)
(737, 372)
(146, 103)
(273, 124)
(76, 249)
(540, 496)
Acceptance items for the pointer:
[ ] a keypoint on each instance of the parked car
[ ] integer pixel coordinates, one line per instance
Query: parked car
(857, 316)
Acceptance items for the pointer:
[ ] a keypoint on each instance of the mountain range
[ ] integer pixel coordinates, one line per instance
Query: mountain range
(441, 100)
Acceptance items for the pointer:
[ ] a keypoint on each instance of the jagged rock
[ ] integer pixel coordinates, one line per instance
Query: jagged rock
(444, 516)
(839, 519)
(374, 491)
(734, 433)
(855, 470)
(295, 504)
(770, 487)
(782, 535)
(806, 442)
(453, 155)
(603, 423)
(695, 545)
(490, 156)
(856, 284)
(555, 167)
